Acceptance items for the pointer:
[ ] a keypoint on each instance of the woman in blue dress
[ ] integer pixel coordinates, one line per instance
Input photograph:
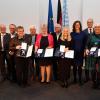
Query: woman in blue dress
(79, 39)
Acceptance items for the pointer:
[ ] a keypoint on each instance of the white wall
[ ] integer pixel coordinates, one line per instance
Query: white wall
(20, 12)
(91, 9)
(27, 12)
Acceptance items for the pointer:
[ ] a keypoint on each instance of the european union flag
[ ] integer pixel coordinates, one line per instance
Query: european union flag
(50, 18)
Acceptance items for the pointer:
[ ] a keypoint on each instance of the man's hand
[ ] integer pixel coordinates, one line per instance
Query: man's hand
(18, 47)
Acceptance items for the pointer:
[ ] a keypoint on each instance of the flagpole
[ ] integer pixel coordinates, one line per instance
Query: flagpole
(65, 18)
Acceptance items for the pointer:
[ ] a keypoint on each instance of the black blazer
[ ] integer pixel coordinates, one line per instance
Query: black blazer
(15, 42)
(7, 38)
(55, 39)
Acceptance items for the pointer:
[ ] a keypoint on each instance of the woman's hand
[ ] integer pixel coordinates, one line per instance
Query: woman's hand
(49, 47)
(66, 49)
(87, 52)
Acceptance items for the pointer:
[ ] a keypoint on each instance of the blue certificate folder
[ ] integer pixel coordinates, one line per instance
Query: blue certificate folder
(69, 54)
(40, 55)
(58, 53)
(94, 53)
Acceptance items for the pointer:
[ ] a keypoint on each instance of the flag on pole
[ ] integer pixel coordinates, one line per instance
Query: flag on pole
(65, 18)
(50, 18)
(59, 13)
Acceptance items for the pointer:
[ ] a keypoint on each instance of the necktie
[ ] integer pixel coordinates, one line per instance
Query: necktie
(90, 30)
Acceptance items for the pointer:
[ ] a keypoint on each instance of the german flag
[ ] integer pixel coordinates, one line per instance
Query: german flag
(59, 13)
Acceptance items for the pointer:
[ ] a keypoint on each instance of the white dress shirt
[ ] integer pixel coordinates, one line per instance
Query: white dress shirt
(2, 36)
(90, 29)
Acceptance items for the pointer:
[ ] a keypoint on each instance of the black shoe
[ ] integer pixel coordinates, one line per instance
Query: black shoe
(80, 83)
(85, 81)
(19, 84)
(48, 82)
(95, 86)
(66, 84)
(25, 85)
(75, 82)
(63, 84)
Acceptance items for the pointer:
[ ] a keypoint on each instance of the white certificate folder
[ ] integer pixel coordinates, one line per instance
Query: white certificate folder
(29, 51)
(25, 53)
(98, 52)
(69, 54)
(49, 52)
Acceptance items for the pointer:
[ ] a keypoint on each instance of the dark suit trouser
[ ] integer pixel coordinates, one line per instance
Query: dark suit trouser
(12, 70)
(37, 68)
(55, 69)
(34, 70)
(3, 58)
(22, 70)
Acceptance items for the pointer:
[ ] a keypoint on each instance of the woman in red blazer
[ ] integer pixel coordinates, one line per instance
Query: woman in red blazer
(43, 41)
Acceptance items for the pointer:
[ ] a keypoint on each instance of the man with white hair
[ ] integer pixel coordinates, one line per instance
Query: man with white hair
(33, 59)
(58, 30)
(12, 69)
(56, 35)
(89, 30)
(94, 60)
(4, 48)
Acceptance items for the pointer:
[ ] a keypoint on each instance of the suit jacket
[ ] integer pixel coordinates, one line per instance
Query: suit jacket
(55, 39)
(86, 31)
(16, 41)
(31, 37)
(7, 38)
(88, 34)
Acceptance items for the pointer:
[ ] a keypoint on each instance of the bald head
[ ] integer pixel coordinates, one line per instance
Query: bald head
(3, 28)
(90, 23)
(57, 28)
(32, 30)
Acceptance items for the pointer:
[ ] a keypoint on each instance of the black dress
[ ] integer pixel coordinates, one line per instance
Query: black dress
(64, 63)
(44, 43)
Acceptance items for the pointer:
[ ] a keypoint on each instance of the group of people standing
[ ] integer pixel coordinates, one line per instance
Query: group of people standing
(56, 68)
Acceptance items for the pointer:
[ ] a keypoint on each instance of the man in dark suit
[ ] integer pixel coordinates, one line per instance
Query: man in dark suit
(4, 48)
(56, 35)
(89, 31)
(34, 66)
(20, 61)
(12, 70)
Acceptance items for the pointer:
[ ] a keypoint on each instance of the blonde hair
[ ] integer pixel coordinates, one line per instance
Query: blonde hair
(66, 29)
